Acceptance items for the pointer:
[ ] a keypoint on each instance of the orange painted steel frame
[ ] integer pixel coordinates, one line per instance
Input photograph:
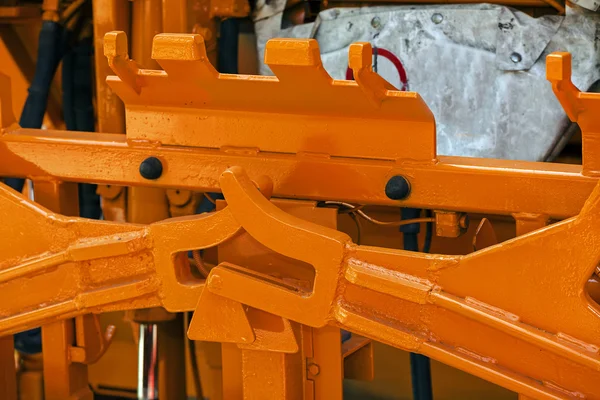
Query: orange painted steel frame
(515, 313)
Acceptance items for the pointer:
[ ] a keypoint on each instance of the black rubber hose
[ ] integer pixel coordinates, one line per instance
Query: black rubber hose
(78, 110)
(421, 377)
(50, 50)
(227, 59)
(419, 364)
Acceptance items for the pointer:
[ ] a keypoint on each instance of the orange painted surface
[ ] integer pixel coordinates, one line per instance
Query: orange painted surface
(18, 82)
(514, 313)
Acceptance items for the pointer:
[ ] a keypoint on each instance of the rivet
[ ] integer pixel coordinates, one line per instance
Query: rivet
(464, 221)
(376, 23)
(397, 188)
(151, 168)
(437, 18)
(515, 57)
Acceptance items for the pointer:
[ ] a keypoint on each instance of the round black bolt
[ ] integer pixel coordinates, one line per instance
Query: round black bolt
(397, 188)
(151, 168)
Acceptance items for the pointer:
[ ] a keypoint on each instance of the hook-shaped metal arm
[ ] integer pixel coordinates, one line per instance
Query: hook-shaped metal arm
(401, 298)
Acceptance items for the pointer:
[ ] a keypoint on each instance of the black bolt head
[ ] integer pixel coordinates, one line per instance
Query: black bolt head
(151, 168)
(397, 188)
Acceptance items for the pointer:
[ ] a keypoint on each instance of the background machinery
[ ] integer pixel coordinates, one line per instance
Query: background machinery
(400, 202)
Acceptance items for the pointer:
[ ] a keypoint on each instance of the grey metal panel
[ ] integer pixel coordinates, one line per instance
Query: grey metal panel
(480, 68)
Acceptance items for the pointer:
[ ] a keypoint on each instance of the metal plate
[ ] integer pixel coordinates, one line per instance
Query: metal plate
(480, 68)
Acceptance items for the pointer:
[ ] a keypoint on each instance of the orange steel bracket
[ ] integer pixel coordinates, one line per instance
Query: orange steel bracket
(116, 50)
(229, 116)
(324, 115)
(373, 85)
(451, 308)
(515, 313)
(581, 107)
(315, 137)
(72, 266)
(248, 327)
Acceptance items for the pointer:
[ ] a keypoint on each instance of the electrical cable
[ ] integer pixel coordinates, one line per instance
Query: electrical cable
(352, 209)
(197, 256)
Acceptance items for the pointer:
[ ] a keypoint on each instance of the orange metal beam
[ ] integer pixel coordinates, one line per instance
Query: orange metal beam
(313, 155)
(540, 341)
(64, 377)
(451, 183)
(338, 118)
(451, 308)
